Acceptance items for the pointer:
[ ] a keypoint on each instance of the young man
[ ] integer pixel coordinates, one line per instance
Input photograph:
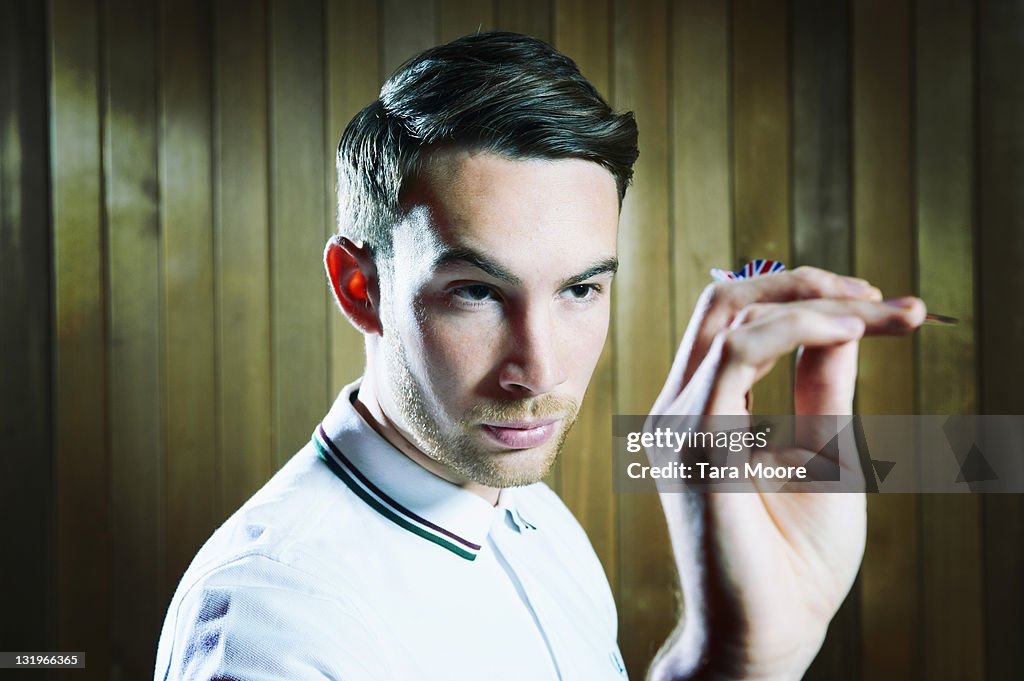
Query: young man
(412, 538)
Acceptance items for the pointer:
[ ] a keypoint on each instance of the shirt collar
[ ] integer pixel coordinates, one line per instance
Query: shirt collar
(403, 491)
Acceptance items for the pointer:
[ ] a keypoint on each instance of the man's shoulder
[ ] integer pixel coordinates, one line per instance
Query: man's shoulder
(301, 518)
(268, 568)
(256, 614)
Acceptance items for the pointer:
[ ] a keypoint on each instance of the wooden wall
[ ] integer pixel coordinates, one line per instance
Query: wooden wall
(168, 340)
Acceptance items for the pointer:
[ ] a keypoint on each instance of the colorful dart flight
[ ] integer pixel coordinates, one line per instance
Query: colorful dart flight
(754, 268)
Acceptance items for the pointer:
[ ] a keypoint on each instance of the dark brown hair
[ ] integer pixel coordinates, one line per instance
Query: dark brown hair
(503, 93)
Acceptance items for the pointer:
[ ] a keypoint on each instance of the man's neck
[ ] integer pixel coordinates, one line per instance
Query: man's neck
(368, 406)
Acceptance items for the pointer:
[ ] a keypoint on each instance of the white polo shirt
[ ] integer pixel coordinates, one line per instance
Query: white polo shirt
(355, 563)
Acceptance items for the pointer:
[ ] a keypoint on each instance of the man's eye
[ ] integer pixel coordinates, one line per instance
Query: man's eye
(473, 293)
(583, 291)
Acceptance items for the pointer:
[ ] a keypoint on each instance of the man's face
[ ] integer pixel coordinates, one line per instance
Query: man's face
(495, 309)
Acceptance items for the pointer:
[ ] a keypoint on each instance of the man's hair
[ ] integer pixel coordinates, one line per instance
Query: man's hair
(502, 93)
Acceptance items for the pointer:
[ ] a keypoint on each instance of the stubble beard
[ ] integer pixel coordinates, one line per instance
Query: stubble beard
(461, 449)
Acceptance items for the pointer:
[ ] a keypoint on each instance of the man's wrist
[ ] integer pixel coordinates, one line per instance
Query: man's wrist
(697, 655)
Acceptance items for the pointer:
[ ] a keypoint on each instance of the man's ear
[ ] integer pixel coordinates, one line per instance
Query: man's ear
(353, 277)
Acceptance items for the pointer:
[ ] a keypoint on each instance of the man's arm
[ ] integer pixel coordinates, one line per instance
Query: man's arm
(763, 573)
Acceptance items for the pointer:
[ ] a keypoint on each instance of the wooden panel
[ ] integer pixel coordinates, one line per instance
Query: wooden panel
(643, 347)
(134, 304)
(883, 253)
(585, 473)
(352, 83)
(889, 587)
(950, 537)
(25, 400)
(531, 17)
(408, 28)
(80, 352)
(883, 235)
(186, 214)
(242, 250)
(821, 135)
(581, 31)
(760, 118)
(298, 295)
(462, 17)
(1001, 279)
(821, 218)
(701, 162)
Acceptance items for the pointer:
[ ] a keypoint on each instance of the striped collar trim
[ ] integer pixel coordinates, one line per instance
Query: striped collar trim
(344, 468)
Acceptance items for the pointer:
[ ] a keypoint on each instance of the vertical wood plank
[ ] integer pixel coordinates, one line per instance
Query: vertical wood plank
(582, 32)
(463, 17)
(186, 214)
(298, 219)
(761, 191)
(821, 218)
(643, 335)
(242, 227)
(407, 29)
(352, 83)
(584, 476)
(821, 134)
(950, 532)
(883, 234)
(80, 351)
(242, 249)
(135, 306)
(1000, 130)
(820, 67)
(530, 17)
(701, 157)
(26, 439)
(883, 254)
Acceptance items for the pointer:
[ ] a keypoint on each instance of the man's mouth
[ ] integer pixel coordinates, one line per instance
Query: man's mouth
(521, 434)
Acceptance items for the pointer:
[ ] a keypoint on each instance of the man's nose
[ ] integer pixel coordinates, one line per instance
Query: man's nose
(531, 366)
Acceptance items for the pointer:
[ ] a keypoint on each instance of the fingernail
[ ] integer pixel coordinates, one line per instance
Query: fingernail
(857, 286)
(906, 302)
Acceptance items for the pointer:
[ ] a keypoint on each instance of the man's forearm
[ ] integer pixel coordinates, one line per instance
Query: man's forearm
(718, 637)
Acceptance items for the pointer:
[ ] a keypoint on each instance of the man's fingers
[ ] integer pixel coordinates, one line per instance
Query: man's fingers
(749, 349)
(803, 283)
(766, 339)
(826, 379)
(720, 303)
(890, 317)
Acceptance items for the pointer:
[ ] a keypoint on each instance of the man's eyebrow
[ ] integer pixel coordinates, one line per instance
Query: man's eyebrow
(478, 260)
(603, 267)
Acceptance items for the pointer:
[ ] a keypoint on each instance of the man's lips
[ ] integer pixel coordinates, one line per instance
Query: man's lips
(521, 434)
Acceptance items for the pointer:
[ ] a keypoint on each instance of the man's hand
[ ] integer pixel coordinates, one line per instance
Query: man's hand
(764, 573)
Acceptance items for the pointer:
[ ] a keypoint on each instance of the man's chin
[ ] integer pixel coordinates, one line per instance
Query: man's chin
(507, 467)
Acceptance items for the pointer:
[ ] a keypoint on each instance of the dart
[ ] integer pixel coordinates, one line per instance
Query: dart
(940, 319)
